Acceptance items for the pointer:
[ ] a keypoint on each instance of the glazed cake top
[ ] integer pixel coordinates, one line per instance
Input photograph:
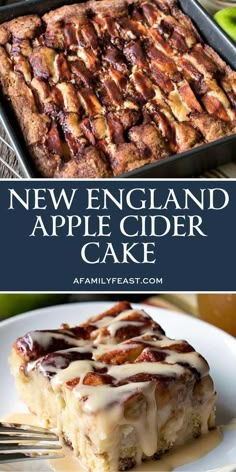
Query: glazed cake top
(116, 351)
(104, 87)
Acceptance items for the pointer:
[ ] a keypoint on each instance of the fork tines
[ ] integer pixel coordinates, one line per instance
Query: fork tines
(22, 442)
(25, 429)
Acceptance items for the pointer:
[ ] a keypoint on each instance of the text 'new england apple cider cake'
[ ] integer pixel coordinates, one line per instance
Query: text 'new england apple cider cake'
(115, 387)
(102, 88)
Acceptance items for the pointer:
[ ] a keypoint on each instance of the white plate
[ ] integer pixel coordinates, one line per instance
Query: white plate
(218, 348)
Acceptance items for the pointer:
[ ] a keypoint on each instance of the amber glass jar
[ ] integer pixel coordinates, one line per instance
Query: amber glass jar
(219, 310)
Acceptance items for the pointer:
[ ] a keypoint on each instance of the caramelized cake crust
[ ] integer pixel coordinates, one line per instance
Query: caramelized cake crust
(116, 388)
(105, 87)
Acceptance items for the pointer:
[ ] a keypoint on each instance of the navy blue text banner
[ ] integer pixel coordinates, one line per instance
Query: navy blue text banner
(117, 235)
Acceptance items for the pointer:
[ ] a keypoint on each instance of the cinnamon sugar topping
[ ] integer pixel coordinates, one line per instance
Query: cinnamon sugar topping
(103, 88)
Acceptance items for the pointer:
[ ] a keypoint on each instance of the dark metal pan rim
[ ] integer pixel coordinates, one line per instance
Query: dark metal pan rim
(148, 167)
(211, 32)
(186, 154)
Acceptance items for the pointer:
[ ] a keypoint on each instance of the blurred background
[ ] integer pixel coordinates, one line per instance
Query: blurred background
(217, 309)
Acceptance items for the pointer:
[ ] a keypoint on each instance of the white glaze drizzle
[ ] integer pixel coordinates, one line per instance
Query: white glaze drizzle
(44, 338)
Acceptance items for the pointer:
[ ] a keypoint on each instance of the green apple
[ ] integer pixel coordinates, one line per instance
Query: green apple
(226, 18)
(15, 303)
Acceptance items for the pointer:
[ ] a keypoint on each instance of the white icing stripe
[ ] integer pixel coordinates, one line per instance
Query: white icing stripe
(169, 366)
(112, 349)
(108, 320)
(44, 338)
(78, 369)
(103, 322)
(56, 368)
(162, 342)
(121, 372)
(107, 395)
(193, 359)
(75, 369)
(116, 325)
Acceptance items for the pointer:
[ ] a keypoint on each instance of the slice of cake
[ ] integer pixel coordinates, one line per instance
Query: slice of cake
(116, 388)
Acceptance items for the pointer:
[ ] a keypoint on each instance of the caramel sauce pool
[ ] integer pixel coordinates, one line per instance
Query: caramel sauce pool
(193, 451)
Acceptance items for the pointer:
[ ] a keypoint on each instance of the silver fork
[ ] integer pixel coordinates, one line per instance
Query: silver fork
(20, 442)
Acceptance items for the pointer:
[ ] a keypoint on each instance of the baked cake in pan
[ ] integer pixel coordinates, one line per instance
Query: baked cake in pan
(116, 388)
(101, 88)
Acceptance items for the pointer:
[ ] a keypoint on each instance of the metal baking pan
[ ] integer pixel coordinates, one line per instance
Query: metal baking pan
(188, 164)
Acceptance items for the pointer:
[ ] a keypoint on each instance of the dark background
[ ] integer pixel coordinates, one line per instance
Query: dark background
(51, 264)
